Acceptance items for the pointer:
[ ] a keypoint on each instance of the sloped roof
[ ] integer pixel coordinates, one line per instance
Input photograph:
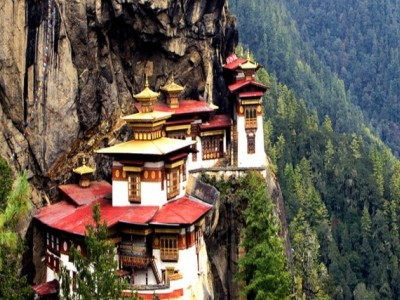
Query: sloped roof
(185, 107)
(159, 146)
(47, 288)
(217, 121)
(235, 64)
(239, 85)
(68, 218)
(80, 196)
(147, 117)
(172, 87)
(184, 210)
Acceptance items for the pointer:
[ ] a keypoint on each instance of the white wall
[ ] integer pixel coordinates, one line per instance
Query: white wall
(250, 160)
(151, 193)
(120, 193)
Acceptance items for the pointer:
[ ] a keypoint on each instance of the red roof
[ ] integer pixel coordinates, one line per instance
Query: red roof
(81, 196)
(65, 217)
(185, 107)
(235, 64)
(181, 211)
(47, 288)
(217, 121)
(251, 94)
(179, 122)
(238, 85)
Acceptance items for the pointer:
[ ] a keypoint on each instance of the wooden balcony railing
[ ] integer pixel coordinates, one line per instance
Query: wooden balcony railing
(169, 254)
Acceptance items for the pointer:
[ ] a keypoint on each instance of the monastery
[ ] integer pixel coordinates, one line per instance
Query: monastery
(156, 226)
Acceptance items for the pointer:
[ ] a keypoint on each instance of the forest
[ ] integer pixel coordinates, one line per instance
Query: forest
(341, 57)
(330, 130)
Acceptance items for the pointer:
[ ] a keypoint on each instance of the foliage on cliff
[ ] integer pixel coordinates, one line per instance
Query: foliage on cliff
(6, 180)
(262, 269)
(359, 41)
(341, 57)
(263, 266)
(342, 202)
(13, 286)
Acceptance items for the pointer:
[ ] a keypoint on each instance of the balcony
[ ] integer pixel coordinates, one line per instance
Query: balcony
(134, 255)
(169, 254)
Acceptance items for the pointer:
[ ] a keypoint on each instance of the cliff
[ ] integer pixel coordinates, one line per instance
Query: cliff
(68, 70)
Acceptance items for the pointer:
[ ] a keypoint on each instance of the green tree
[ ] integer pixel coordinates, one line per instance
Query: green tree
(311, 276)
(6, 181)
(96, 276)
(263, 267)
(13, 286)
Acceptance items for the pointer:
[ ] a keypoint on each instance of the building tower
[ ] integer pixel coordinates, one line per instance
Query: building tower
(247, 113)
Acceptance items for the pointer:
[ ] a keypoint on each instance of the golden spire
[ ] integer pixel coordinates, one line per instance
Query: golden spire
(172, 92)
(147, 97)
(172, 86)
(249, 65)
(84, 169)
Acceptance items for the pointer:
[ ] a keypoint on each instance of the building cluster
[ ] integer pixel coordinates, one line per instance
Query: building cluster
(156, 227)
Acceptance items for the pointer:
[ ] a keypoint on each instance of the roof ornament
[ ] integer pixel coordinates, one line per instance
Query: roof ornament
(84, 171)
(172, 92)
(147, 97)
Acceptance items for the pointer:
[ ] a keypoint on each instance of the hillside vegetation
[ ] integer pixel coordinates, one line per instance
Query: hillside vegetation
(342, 202)
(332, 72)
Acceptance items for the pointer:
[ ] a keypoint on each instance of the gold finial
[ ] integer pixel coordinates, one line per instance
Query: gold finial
(172, 78)
(248, 54)
(84, 162)
(147, 81)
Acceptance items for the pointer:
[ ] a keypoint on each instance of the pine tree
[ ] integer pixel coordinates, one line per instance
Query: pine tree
(263, 267)
(13, 286)
(5, 181)
(311, 276)
(96, 276)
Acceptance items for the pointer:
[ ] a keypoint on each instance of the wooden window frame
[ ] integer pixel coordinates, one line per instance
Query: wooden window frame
(183, 170)
(177, 134)
(194, 153)
(251, 143)
(169, 250)
(134, 187)
(250, 116)
(173, 187)
(212, 147)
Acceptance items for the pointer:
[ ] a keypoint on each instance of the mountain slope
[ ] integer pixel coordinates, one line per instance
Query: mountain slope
(359, 41)
(339, 56)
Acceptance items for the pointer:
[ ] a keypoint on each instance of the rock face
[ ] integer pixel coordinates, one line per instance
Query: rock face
(68, 70)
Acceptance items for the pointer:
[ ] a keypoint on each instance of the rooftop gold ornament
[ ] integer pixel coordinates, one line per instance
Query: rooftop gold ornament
(147, 97)
(84, 171)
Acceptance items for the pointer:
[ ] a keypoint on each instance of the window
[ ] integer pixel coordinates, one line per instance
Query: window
(177, 134)
(194, 153)
(169, 248)
(173, 181)
(184, 171)
(134, 187)
(251, 143)
(212, 146)
(250, 117)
